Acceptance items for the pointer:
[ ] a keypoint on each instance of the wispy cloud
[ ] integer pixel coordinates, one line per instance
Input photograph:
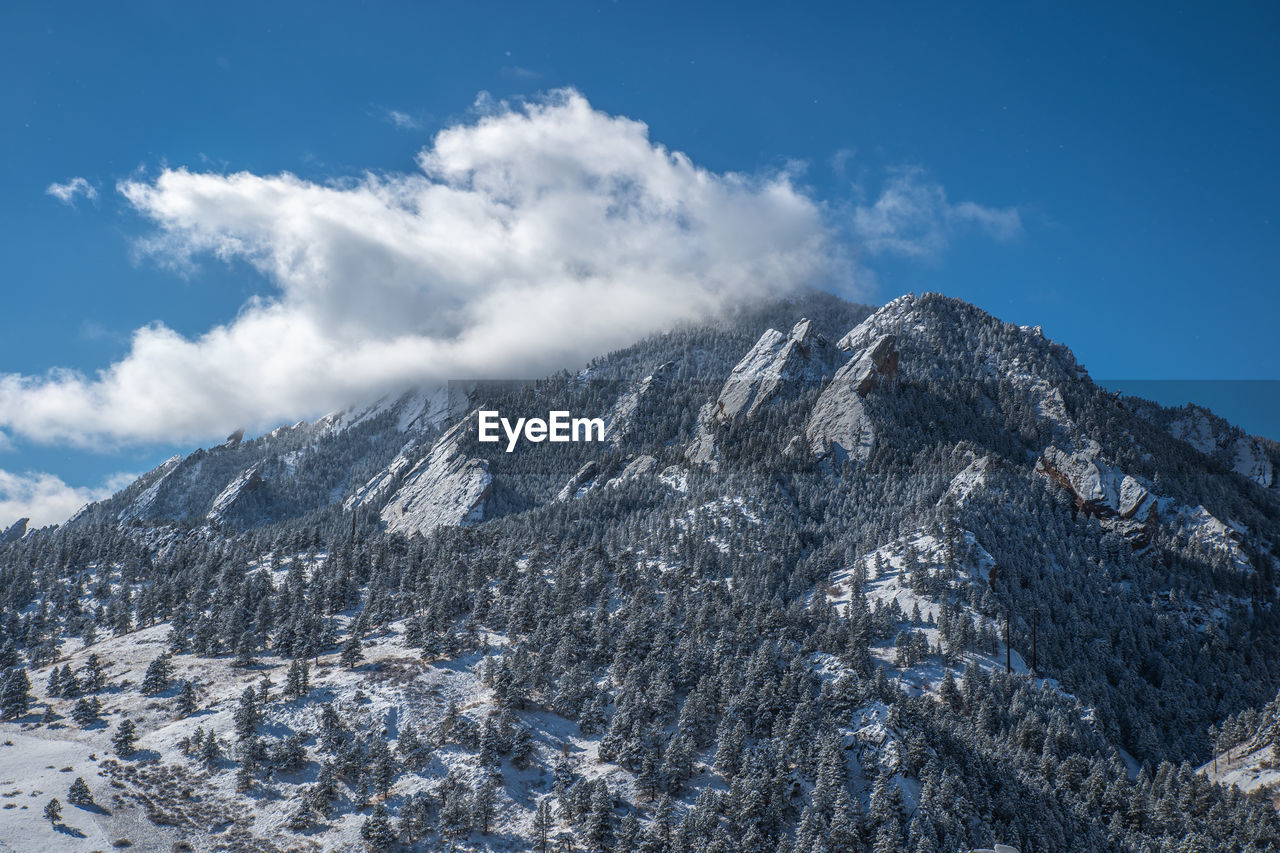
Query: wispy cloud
(46, 499)
(531, 238)
(67, 192)
(913, 217)
(402, 120)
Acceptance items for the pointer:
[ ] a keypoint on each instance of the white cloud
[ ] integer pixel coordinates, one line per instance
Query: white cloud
(913, 217)
(404, 121)
(531, 239)
(67, 192)
(46, 499)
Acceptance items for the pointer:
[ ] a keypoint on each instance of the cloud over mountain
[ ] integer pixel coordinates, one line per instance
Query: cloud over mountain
(532, 238)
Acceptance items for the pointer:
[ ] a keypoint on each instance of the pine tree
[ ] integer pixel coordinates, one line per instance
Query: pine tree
(297, 682)
(415, 817)
(629, 835)
(245, 775)
(383, 771)
(158, 676)
(245, 718)
(600, 820)
(187, 703)
(543, 823)
(246, 648)
(125, 737)
(8, 655)
(483, 803)
(376, 830)
(94, 679)
(53, 687)
(352, 652)
(210, 750)
(15, 693)
(291, 754)
(53, 811)
(80, 795)
(87, 711)
(845, 832)
(300, 818)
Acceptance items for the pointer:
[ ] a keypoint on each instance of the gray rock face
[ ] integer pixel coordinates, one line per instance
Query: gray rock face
(877, 364)
(14, 532)
(775, 360)
(580, 483)
(839, 426)
(1098, 488)
(621, 419)
(637, 467)
(1213, 436)
(447, 488)
(248, 482)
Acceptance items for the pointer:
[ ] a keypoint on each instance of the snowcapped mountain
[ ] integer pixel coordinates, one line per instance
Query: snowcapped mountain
(836, 579)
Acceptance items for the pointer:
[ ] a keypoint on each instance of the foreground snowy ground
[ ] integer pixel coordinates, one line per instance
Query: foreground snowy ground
(161, 797)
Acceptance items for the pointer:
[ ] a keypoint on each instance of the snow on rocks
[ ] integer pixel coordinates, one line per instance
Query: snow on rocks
(580, 483)
(972, 478)
(840, 426)
(675, 478)
(140, 507)
(1250, 460)
(1213, 436)
(638, 467)
(1212, 534)
(1097, 487)
(620, 420)
(447, 488)
(774, 360)
(248, 481)
(14, 531)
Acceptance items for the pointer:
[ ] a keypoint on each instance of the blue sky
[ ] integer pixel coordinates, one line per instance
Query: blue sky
(1108, 173)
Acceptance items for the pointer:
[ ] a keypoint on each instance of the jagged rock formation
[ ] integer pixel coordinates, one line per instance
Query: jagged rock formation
(1097, 488)
(775, 360)
(621, 419)
(840, 427)
(445, 488)
(236, 491)
(638, 467)
(15, 531)
(766, 610)
(972, 478)
(580, 483)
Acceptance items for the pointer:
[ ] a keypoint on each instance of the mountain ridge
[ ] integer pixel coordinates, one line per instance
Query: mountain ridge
(1009, 609)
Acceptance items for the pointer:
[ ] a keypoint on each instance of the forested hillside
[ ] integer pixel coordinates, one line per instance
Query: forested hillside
(902, 579)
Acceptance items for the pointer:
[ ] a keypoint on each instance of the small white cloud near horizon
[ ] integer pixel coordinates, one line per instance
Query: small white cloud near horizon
(46, 499)
(66, 192)
(912, 217)
(533, 237)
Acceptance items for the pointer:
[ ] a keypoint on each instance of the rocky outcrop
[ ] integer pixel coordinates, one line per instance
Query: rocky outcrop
(15, 531)
(1251, 460)
(580, 483)
(775, 360)
(620, 420)
(1097, 488)
(637, 467)
(840, 427)
(1213, 436)
(446, 488)
(247, 482)
(878, 364)
(968, 481)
